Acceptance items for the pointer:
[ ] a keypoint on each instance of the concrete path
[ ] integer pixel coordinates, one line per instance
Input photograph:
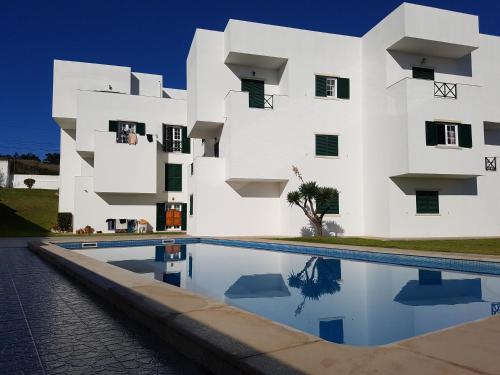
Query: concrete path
(51, 325)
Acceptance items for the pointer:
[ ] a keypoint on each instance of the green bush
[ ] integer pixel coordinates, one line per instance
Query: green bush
(29, 182)
(65, 221)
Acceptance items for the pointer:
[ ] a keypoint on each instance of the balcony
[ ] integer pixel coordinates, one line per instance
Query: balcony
(445, 90)
(412, 102)
(133, 167)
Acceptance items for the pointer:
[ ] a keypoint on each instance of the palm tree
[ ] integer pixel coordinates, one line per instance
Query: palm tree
(322, 279)
(314, 200)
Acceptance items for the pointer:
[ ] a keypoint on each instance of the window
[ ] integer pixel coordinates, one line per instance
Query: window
(327, 145)
(451, 135)
(448, 134)
(191, 205)
(427, 202)
(423, 73)
(333, 206)
(216, 149)
(192, 169)
(175, 139)
(332, 87)
(173, 177)
(124, 128)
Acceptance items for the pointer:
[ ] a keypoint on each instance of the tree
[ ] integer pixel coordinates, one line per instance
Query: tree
(319, 276)
(52, 158)
(29, 182)
(314, 200)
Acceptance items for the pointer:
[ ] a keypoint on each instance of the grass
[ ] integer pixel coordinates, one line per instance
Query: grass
(489, 246)
(26, 212)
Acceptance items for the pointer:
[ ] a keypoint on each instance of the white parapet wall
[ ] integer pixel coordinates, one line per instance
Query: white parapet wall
(48, 182)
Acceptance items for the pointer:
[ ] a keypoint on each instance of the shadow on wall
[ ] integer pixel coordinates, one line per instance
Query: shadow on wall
(456, 186)
(11, 224)
(460, 67)
(330, 229)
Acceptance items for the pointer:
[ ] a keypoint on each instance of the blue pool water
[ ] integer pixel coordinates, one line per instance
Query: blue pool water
(349, 297)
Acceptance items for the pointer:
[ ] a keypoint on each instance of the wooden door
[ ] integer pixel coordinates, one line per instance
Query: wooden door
(174, 218)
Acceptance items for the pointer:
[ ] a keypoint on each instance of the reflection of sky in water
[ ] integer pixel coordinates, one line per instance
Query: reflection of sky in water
(343, 301)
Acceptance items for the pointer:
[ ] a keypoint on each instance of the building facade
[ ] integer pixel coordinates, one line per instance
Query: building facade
(124, 148)
(404, 121)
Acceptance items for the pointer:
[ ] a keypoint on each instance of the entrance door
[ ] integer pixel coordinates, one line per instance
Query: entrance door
(255, 90)
(174, 216)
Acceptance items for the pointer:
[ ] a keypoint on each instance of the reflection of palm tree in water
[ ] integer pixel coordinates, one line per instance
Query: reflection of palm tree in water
(322, 279)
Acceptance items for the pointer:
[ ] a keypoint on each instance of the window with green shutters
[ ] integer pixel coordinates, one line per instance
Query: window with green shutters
(327, 145)
(255, 89)
(449, 134)
(160, 216)
(333, 206)
(334, 87)
(173, 177)
(191, 205)
(427, 202)
(175, 139)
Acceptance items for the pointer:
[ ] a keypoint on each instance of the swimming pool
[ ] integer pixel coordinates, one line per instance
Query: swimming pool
(343, 296)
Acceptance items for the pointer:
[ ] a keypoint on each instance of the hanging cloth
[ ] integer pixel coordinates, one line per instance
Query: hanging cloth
(132, 138)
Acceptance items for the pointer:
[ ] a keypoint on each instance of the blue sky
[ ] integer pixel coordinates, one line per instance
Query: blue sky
(151, 36)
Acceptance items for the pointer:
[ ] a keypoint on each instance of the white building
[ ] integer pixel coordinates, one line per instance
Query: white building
(124, 147)
(403, 121)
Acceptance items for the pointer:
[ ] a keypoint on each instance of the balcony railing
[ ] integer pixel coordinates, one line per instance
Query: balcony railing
(445, 90)
(490, 163)
(268, 101)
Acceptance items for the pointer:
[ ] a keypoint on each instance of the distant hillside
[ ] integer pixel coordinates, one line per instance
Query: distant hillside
(35, 167)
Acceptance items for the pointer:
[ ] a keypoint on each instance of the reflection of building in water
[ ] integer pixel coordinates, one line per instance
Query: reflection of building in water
(430, 289)
(170, 264)
(258, 286)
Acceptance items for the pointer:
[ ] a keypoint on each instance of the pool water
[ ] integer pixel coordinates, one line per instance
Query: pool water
(343, 301)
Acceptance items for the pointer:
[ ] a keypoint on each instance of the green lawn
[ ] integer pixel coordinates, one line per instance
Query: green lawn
(473, 246)
(26, 212)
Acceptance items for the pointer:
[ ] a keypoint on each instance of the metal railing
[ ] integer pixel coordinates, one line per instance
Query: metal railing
(268, 101)
(445, 90)
(490, 163)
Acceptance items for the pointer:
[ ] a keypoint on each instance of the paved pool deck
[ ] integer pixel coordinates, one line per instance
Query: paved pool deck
(49, 324)
(228, 340)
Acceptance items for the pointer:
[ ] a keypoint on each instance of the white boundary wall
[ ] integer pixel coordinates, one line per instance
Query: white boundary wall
(49, 182)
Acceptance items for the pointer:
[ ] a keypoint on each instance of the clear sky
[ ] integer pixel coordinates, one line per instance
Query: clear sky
(150, 36)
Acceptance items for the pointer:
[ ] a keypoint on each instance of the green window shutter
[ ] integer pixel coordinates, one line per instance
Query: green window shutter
(186, 141)
(160, 217)
(140, 128)
(164, 137)
(184, 216)
(427, 202)
(465, 135)
(327, 145)
(423, 73)
(191, 209)
(255, 91)
(343, 89)
(113, 126)
(333, 206)
(321, 86)
(173, 177)
(431, 133)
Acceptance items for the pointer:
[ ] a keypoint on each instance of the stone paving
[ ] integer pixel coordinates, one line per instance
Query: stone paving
(51, 325)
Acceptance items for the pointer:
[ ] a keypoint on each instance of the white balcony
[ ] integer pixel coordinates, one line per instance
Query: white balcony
(412, 102)
(124, 168)
(433, 32)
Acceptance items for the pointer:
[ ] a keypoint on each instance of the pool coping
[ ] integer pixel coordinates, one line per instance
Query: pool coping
(226, 339)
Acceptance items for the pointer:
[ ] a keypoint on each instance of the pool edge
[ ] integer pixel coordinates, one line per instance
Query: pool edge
(196, 333)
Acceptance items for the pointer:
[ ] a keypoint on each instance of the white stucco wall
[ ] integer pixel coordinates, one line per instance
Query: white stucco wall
(48, 182)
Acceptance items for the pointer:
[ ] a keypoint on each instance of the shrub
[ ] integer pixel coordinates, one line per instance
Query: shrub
(87, 230)
(65, 221)
(29, 182)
